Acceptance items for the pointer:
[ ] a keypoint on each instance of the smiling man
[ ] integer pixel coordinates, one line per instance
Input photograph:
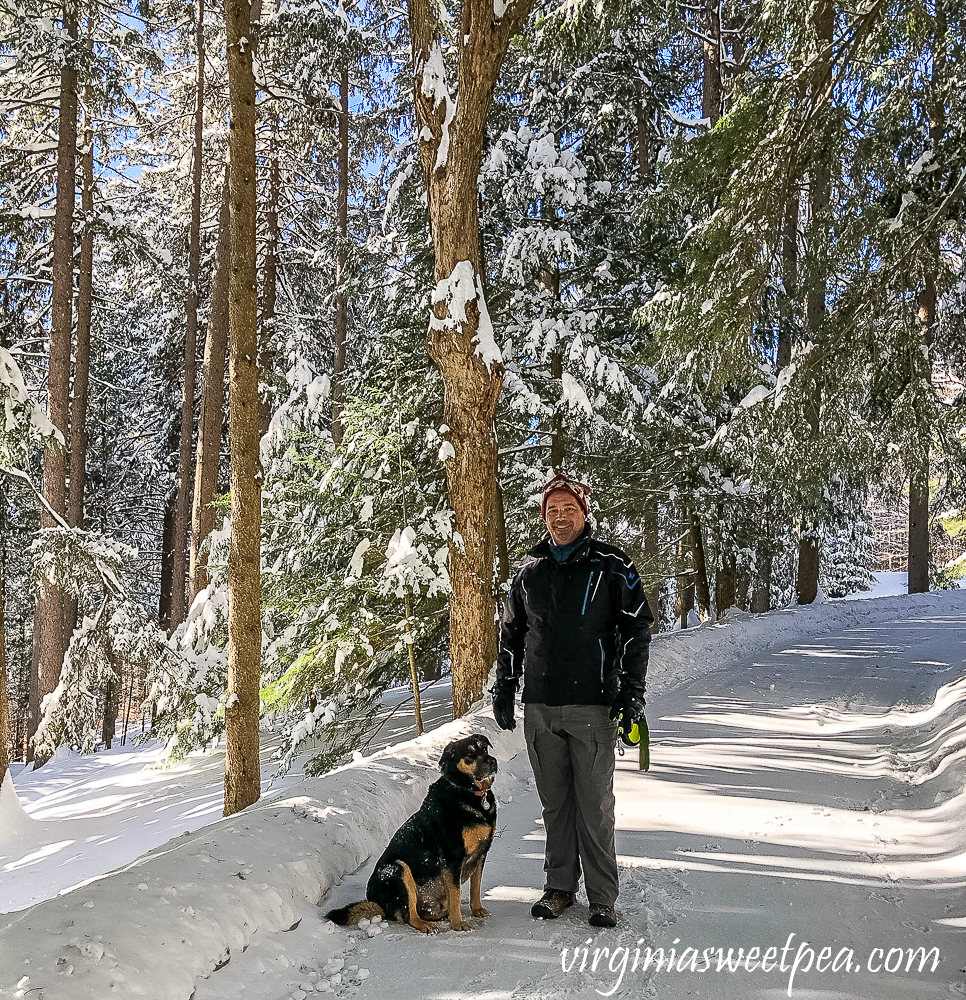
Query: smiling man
(576, 630)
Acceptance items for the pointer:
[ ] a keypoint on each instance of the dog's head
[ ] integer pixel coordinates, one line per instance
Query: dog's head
(469, 764)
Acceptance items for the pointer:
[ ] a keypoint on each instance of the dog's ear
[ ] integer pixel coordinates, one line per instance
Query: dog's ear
(486, 740)
(446, 757)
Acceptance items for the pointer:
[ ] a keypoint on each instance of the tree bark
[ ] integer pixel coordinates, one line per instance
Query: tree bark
(211, 416)
(450, 146)
(918, 550)
(266, 335)
(342, 235)
(242, 771)
(82, 353)
(183, 505)
(809, 546)
(49, 633)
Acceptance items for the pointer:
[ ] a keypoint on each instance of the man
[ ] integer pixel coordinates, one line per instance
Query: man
(576, 627)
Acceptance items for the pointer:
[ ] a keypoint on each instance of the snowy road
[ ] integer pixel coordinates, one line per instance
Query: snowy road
(805, 804)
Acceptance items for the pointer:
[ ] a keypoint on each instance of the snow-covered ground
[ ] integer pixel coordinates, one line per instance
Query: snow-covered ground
(805, 804)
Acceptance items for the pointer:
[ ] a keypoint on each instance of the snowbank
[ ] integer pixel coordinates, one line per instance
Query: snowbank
(679, 657)
(151, 928)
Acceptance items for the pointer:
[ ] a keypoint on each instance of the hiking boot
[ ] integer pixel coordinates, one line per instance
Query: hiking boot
(551, 904)
(602, 915)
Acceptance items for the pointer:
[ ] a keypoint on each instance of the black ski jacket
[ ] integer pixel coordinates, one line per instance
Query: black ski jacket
(577, 632)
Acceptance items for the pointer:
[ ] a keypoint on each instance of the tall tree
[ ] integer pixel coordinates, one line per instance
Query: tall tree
(817, 237)
(242, 774)
(927, 300)
(451, 129)
(183, 511)
(211, 415)
(4, 707)
(49, 626)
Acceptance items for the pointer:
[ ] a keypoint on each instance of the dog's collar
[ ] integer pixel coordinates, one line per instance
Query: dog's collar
(481, 793)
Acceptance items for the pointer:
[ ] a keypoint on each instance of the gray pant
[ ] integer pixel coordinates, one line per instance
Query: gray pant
(571, 750)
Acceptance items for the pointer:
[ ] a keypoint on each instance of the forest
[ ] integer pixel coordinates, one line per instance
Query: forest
(303, 303)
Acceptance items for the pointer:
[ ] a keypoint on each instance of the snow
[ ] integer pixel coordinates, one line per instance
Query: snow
(805, 804)
(434, 88)
(463, 286)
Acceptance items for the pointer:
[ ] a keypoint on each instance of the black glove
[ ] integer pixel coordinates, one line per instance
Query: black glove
(631, 708)
(503, 709)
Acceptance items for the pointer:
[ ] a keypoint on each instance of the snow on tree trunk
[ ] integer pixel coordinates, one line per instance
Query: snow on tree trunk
(242, 775)
(49, 639)
(460, 342)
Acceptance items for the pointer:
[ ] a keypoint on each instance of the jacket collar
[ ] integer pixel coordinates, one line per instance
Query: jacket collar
(542, 549)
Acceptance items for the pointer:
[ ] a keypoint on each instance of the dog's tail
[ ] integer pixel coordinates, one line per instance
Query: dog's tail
(350, 915)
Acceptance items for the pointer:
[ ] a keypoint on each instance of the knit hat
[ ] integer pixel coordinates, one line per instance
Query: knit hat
(565, 484)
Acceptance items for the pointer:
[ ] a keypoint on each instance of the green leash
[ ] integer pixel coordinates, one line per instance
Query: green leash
(637, 736)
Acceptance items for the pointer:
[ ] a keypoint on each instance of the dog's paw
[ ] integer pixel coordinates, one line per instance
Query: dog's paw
(460, 925)
(480, 911)
(423, 926)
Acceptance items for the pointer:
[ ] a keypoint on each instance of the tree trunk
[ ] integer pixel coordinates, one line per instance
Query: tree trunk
(266, 336)
(918, 552)
(702, 587)
(725, 584)
(4, 707)
(183, 505)
(461, 340)
(790, 267)
(652, 549)
(761, 596)
(242, 771)
(809, 546)
(49, 636)
(342, 236)
(82, 354)
(211, 417)
(502, 544)
(712, 90)
(684, 602)
(112, 707)
(167, 559)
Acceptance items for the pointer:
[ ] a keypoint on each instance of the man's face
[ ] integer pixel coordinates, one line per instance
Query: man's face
(565, 517)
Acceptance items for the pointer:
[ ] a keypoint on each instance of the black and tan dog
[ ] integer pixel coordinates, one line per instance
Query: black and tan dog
(418, 880)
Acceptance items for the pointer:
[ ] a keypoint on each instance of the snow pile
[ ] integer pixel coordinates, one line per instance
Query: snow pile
(181, 911)
(677, 657)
